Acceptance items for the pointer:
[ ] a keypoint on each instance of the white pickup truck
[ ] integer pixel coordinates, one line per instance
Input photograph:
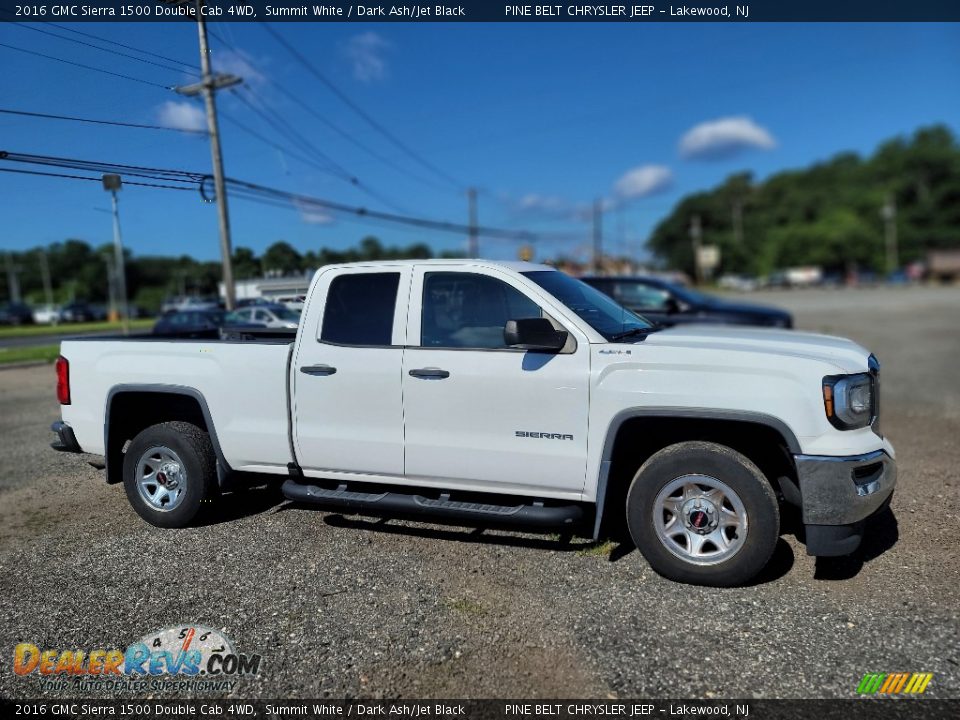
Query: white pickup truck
(498, 393)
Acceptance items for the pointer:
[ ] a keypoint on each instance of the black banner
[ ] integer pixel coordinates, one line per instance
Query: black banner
(861, 709)
(640, 11)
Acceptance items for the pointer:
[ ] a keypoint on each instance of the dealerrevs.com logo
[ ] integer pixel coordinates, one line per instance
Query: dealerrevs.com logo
(894, 683)
(182, 657)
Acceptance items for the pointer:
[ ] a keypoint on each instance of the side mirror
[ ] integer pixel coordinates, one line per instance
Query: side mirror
(534, 334)
(672, 305)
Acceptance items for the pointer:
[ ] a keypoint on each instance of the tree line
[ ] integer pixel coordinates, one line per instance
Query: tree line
(78, 271)
(831, 214)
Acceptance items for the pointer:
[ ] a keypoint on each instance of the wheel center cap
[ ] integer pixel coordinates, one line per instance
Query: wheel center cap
(168, 475)
(700, 516)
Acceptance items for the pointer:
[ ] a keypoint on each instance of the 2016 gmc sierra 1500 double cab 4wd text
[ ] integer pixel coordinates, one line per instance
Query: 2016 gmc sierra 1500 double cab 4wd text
(496, 394)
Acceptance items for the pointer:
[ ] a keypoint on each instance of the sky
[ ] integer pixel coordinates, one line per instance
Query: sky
(542, 119)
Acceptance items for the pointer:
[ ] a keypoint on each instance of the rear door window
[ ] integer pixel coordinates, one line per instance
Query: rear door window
(360, 309)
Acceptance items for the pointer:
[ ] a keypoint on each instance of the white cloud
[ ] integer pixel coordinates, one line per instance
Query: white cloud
(365, 53)
(532, 202)
(643, 180)
(182, 115)
(725, 137)
(312, 214)
(240, 64)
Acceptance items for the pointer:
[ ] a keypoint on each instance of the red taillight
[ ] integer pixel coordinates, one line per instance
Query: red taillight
(63, 380)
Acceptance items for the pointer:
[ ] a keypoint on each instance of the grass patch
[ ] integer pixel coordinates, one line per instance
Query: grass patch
(71, 328)
(598, 549)
(466, 605)
(46, 353)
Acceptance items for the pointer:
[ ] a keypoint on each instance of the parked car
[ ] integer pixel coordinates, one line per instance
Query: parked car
(496, 394)
(15, 313)
(668, 304)
(293, 302)
(77, 311)
(46, 314)
(738, 283)
(188, 302)
(251, 302)
(200, 323)
(271, 316)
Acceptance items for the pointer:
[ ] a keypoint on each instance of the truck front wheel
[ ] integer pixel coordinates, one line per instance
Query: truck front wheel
(169, 471)
(703, 514)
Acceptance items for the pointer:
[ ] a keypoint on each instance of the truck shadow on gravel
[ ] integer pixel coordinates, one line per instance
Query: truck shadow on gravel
(463, 534)
(612, 550)
(880, 534)
(243, 502)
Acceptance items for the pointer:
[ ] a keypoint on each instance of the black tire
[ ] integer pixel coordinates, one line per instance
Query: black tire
(735, 471)
(193, 447)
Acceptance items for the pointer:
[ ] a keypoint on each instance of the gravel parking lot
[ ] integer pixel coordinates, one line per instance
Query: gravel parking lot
(344, 606)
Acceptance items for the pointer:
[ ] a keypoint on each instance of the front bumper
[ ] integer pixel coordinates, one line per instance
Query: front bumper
(66, 441)
(838, 494)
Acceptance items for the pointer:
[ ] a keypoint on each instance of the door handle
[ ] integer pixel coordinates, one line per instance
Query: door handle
(430, 373)
(318, 370)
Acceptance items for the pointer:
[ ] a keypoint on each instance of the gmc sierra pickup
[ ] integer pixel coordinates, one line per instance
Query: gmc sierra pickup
(494, 393)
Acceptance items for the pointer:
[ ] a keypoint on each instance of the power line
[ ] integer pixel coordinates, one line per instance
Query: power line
(249, 190)
(360, 111)
(128, 47)
(20, 171)
(275, 120)
(267, 141)
(283, 128)
(183, 176)
(86, 67)
(117, 123)
(333, 126)
(351, 139)
(107, 50)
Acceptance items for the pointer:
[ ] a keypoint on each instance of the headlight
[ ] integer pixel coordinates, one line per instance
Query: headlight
(849, 400)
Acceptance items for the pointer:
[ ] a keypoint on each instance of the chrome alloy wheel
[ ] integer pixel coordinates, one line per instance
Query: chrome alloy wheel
(161, 478)
(700, 519)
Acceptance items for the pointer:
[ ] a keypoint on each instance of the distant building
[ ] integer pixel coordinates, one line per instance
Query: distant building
(943, 265)
(271, 288)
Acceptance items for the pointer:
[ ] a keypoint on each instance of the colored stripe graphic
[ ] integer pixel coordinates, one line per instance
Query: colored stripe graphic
(894, 683)
(871, 683)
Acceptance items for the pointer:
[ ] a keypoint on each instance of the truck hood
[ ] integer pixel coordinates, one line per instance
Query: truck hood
(846, 355)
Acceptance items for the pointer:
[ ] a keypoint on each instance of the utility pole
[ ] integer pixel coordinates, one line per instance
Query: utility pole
(889, 215)
(45, 276)
(695, 237)
(598, 236)
(111, 285)
(112, 183)
(473, 241)
(208, 87)
(13, 282)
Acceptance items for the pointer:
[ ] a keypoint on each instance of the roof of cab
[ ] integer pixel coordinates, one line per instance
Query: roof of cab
(515, 265)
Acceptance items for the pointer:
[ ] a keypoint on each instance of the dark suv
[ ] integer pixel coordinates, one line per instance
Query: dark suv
(15, 313)
(669, 304)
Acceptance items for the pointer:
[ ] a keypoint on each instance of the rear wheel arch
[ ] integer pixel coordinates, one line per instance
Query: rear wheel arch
(131, 409)
(636, 434)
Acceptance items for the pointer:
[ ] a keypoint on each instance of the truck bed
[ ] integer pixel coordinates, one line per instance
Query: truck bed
(241, 380)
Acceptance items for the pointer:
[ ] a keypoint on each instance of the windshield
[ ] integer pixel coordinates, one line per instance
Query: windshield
(690, 296)
(599, 311)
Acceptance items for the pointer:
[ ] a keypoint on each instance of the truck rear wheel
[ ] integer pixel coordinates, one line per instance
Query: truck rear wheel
(169, 472)
(703, 514)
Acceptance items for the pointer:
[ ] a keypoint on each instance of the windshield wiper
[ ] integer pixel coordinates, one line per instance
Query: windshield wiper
(633, 332)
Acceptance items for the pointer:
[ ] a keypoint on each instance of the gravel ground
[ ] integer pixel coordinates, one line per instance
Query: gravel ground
(344, 607)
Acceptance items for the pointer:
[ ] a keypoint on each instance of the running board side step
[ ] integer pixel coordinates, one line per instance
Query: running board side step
(394, 503)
